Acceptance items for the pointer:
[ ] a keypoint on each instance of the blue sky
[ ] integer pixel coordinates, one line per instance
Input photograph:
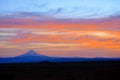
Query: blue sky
(77, 28)
(62, 8)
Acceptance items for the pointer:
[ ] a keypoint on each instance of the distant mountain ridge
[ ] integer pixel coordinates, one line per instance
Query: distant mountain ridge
(32, 56)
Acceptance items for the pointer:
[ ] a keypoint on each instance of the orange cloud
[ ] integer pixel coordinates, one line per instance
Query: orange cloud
(67, 37)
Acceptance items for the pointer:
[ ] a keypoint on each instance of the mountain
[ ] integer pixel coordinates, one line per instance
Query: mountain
(32, 56)
(32, 53)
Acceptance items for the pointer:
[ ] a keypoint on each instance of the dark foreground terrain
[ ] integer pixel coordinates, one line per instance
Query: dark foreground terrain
(90, 70)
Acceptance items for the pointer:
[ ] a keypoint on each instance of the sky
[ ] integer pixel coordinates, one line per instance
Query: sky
(65, 28)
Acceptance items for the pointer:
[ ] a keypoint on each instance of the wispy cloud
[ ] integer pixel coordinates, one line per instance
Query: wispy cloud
(69, 9)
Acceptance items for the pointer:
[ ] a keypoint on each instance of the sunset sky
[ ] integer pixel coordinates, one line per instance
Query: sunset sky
(69, 28)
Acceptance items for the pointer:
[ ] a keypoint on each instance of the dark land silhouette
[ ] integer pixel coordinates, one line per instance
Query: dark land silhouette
(34, 66)
(88, 70)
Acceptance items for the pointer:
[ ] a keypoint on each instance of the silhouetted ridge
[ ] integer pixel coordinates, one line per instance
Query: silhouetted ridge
(33, 56)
